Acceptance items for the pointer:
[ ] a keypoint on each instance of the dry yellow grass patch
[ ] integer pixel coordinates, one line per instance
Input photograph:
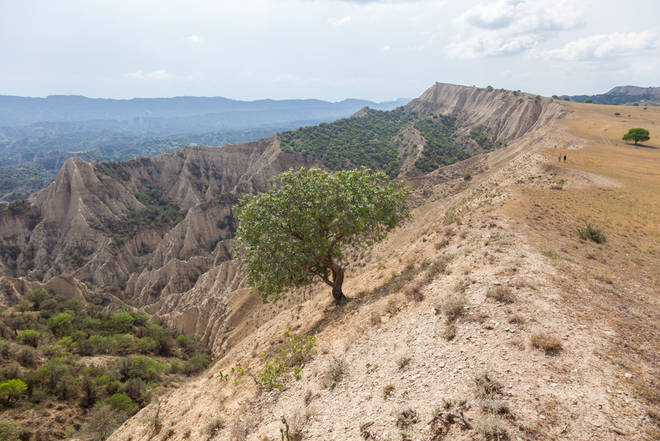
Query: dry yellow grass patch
(614, 186)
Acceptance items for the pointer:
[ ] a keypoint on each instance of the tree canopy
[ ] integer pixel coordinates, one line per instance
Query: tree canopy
(299, 230)
(637, 135)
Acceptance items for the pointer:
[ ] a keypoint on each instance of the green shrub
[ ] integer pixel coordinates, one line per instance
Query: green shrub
(89, 393)
(103, 345)
(589, 232)
(61, 324)
(123, 402)
(27, 356)
(11, 391)
(139, 366)
(176, 366)
(146, 345)
(196, 364)
(9, 431)
(121, 322)
(29, 337)
(5, 348)
(102, 421)
(125, 344)
(136, 389)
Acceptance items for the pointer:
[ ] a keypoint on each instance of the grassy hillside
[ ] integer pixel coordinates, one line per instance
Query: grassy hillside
(81, 370)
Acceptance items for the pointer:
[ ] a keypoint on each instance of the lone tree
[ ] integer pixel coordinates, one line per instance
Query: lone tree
(298, 231)
(637, 135)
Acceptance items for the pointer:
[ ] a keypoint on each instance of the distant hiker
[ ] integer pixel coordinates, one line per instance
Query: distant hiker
(559, 158)
(564, 158)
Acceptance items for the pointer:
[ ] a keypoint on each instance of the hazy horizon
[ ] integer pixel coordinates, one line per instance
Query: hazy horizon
(377, 50)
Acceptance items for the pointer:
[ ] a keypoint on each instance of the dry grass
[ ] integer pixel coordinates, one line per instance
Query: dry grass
(487, 385)
(450, 332)
(388, 390)
(502, 294)
(547, 343)
(490, 428)
(335, 373)
(406, 418)
(215, 426)
(452, 307)
(617, 200)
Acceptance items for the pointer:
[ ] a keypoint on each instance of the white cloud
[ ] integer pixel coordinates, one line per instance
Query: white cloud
(386, 48)
(155, 75)
(508, 27)
(195, 39)
(341, 21)
(616, 44)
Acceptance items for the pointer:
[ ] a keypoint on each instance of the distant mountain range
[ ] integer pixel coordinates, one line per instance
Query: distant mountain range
(622, 95)
(172, 115)
(37, 135)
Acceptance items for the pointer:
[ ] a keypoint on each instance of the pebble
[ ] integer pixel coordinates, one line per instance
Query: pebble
(628, 375)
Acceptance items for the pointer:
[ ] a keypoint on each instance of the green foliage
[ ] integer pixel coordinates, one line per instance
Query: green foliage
(298, 231)
(9, 431)
(29, 337)
(122, 322)
(11, 390)
(61, 324)
(158, 211)
(123, 402)
(196, 364)
(637, 135)
(58, 330)
(289, 359)
(590, 232)
(365, 141)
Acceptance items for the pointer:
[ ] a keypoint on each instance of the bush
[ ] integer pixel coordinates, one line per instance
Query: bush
(123, 402)
(61, 324)
(27, 357)
(196, 364)
(175, 367)
(136, 389)
(9, 431)
(146, 345)
(89, 393)
(5, 349)
(139, 367)
(589, 232)
(11, 391)
(121, 322)
(102, 421)
(29, 337)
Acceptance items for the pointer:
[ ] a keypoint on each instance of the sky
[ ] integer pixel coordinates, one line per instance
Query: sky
(326, 49)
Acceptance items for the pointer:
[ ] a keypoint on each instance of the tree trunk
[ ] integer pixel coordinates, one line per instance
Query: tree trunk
(337, 281)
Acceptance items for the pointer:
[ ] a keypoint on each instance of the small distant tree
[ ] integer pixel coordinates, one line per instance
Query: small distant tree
(637, 135)
(588, 101)
(298, 231)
